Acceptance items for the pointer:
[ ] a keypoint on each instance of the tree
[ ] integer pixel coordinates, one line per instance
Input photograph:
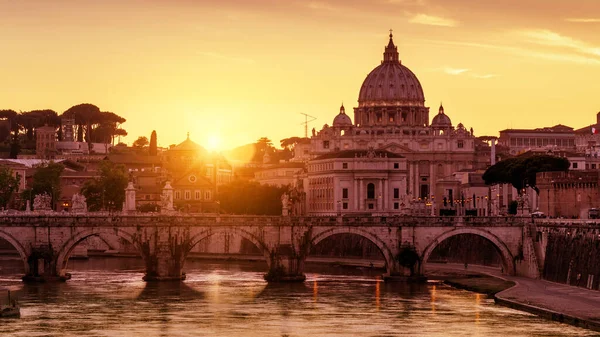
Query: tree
(141, 142)
(521, 172)
(408, 258)
(46, 179)
(153, 151)
(243, 197)
(99, 126)
(108, 191)
(262, 146)
(8, 185)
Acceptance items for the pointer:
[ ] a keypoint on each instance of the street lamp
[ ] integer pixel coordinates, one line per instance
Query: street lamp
(339, 208)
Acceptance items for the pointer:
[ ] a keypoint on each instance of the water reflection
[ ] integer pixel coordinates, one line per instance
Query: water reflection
(108, 298)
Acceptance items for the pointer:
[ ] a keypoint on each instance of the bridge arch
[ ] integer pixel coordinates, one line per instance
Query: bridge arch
(67, 248)
(17, 245)
(383, 248)
(506, 256)
(194, 240)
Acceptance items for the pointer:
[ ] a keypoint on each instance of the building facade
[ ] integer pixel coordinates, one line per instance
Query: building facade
(391, 118)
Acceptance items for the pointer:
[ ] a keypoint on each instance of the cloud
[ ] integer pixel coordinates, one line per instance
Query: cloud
(468, 72)
(319, 6)
(226, 57)
(455, 71)
(550, 38)
(431, 20)
(583, 20)
(560, 57)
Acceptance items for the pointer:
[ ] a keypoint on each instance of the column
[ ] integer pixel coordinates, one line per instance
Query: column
(416, 181)
(411, 173)
(361, 195)
(355, 195)
(386, 195)
(380, 195)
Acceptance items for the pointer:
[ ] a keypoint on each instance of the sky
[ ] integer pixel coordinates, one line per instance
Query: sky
(232, 71)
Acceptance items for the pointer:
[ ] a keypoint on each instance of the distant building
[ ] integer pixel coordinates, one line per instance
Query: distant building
(587, 139)
(558, 137)
(45, 142)
(568, 194)
(356, 181)
(284, 174)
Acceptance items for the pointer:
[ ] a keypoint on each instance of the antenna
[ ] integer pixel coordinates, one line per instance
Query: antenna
(306, 121)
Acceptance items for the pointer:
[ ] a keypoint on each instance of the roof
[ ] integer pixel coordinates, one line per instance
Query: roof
(33, 162)
(559, 128)
(359, 154)
(188, 145)
(133, 159)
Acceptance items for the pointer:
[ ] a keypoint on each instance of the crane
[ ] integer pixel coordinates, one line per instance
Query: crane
(306, 121)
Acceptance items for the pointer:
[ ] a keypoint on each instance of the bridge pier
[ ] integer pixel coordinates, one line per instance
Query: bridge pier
(164, 256)
(285, 265)
(42, 263)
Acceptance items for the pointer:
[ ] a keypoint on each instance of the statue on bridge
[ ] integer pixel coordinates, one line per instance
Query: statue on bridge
(285, 204)
(42, 202)
(78, 204)
(166, 198)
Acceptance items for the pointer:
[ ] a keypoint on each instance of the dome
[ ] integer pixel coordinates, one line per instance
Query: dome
(342, 120)
(441, 120)
(391, 83)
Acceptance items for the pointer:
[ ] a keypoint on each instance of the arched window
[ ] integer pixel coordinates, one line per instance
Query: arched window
(371, 191)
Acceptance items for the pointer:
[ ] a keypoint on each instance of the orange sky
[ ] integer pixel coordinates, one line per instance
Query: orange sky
(240, 70)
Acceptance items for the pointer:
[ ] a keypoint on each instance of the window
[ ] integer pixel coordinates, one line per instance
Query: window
(574, 165)
(344, 165)
(392, 119)
(379, 118)
(197, 195)
(188, 195)
(371, 191)
(370, 206)
(593, 166)
(344, 193)
(177, 195)
(396, 165)
(396, 193)
(207, 195)
(325, 144)
(396, 205)
(460, 144)
(345, 205)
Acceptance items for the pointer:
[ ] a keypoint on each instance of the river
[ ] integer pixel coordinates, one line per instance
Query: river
(107, 297)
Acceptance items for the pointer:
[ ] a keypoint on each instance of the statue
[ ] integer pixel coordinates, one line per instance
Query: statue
(314, 132)
(42, 202)
(285, 204)
(78, 203)
(130, 205)
(166, 198)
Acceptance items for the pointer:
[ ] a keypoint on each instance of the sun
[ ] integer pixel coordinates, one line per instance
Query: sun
(214, 142)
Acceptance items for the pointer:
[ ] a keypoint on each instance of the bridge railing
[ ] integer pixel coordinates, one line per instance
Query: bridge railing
(206, 219)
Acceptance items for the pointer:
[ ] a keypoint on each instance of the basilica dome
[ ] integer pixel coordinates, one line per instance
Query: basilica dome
(342, 120)
(391, 83)
(441, 120)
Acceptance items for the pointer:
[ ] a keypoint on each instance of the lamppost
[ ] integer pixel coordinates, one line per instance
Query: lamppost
(339, 208)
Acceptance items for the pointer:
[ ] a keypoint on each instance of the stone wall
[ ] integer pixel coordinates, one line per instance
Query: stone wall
(573, 257)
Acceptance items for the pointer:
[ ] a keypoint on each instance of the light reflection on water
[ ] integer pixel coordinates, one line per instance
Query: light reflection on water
(106, 297)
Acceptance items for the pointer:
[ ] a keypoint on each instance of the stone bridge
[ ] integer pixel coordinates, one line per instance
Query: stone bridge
(46, 241)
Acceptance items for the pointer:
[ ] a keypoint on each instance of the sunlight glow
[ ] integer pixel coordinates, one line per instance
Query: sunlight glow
(213, 142)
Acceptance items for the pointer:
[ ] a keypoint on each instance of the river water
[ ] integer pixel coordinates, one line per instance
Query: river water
(107, 297)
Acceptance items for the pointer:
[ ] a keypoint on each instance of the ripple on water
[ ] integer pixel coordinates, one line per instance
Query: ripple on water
(234, 300)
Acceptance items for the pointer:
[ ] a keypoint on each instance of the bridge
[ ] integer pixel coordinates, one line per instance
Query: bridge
(46, 241)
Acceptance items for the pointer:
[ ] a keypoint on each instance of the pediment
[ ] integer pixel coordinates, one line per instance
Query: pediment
(396, 148)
